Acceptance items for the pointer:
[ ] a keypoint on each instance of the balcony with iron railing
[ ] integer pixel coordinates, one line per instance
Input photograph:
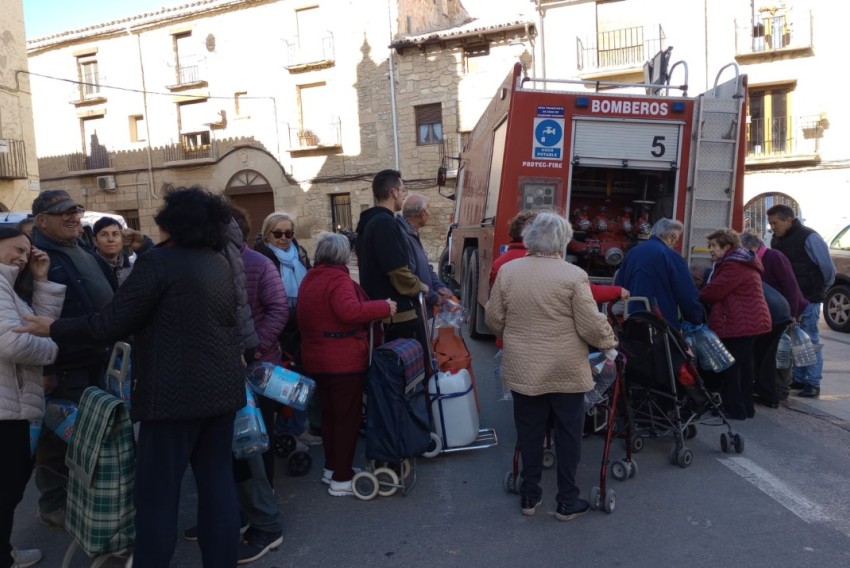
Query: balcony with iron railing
(13, 159)
(785, 139)
(191, 72)
(97, 159)
(310, 52)
(188, 150)
(619, 49)
(315, 136)
(772, 34)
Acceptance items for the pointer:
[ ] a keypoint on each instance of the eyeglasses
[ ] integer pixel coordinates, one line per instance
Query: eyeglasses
(402, 190)
(68, 215)
(278, 234)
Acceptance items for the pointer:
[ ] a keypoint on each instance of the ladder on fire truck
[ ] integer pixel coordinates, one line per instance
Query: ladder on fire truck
(717, 141)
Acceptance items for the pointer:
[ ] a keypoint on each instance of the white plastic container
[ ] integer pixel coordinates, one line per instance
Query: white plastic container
(453, 408)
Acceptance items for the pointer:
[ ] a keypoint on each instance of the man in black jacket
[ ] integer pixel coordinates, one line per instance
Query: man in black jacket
(383, 260)
(90, 285)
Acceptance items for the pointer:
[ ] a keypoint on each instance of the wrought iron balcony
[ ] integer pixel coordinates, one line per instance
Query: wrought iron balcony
(627, 47)
(184, 152)
(785, 136)
(310, 51)
(191, 71)
(13, 159)
(99, 159)
(770, 32)
(328, 135)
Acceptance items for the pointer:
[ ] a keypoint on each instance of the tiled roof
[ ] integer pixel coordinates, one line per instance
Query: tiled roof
(487, 24)
(142, 19)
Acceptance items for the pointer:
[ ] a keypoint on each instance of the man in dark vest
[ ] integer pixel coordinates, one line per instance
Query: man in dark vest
(815, 273)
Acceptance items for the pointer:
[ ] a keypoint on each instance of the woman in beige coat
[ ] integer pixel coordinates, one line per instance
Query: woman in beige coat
(21, 393)
(543, 310)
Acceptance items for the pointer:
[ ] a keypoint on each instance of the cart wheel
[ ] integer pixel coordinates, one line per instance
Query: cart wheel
(299, 463)
(509, 483)
(610, 501)
(684, 457)
(406, 468)
(690, 431)
(365, 485)
(738, 443)
(434, 447)
(620, 470)
(387, 481)
(725, 442)
(637, 444)
(633, 469)
(548, 458)
(284, 445)
(594, 498)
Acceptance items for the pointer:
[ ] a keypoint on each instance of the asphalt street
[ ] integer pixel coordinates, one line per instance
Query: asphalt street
(782, 502)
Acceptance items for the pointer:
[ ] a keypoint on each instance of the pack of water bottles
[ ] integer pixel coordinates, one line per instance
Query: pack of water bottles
(250, 436)
(711, 353)
(282, 385)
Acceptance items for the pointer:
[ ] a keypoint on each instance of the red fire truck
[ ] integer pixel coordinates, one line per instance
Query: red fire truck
(611, 160)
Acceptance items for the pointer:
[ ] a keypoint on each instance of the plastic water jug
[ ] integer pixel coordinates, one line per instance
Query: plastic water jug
(712, 354)
(35, 432)
(453, 408)
(282, 385)
(783, 351)
(249, 431)
(59, 416)
(802, 348)
(117, 381)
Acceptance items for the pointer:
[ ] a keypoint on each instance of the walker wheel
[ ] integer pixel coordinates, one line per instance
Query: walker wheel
(509, 483)
(620, 470)
(594, 498)
(549, 458)
(299, 463)
(633, 469)
(387, 481)
(365, 485)
(610, 501)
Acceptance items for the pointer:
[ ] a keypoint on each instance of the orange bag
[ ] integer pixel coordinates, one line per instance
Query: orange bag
(452, 355)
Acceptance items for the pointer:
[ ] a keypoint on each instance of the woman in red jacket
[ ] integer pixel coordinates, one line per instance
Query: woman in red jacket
(334, 314)
(738, 314)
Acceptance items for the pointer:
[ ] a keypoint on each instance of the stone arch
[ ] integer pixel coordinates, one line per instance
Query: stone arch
(251, 191)
(755, 211)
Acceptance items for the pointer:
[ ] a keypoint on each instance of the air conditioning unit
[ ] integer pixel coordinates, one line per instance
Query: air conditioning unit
(106, 183)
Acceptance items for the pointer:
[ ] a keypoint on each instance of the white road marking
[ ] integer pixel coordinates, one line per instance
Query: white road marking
(776, 488)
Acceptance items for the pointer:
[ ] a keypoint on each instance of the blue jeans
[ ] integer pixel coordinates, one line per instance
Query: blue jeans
(812, 374)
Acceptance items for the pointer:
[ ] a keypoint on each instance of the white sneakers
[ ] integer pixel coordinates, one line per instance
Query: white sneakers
(327, 474)
(29, 557)
(341, 488)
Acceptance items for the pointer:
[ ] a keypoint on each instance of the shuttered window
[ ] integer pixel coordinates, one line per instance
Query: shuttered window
(429, 124)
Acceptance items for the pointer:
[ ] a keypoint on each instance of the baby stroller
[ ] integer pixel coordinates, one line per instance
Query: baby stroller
(666, 393)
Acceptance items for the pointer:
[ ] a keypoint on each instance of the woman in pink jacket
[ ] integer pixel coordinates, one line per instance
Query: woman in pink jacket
(334, 314)
(738, 314)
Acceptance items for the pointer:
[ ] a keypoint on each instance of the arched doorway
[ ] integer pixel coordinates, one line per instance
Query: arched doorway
(755, 212)
(249, 190)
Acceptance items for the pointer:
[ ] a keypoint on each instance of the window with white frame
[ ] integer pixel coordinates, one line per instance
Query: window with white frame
(88, 76)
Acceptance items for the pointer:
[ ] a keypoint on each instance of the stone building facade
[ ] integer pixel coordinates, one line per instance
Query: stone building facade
(18, 161)
(280, 105)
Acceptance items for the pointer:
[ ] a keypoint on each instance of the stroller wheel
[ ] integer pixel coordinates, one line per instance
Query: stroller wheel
(738, 443)
(684, 457)
(387, 481)
(725, 442)
(620, 470)
(509, 483)
(690, 431)
(299, 463)
(610, 501)
(594, 498)
(637, 444)
(365, 485)
(548, 458)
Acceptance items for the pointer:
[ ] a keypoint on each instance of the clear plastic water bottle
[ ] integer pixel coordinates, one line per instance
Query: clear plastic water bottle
(249, 430)
(783, 351)
(802, 349)
(282, 385)
(59, 416)
(35, 432)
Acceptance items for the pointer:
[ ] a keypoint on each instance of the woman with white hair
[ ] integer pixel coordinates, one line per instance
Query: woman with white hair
(543, 309)
(334, 313)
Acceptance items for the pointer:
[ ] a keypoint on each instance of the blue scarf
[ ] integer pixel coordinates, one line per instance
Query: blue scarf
(291, 270)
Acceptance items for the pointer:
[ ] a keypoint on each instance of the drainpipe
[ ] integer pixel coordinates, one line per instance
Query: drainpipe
(151, 189)
(392, 86)
(542, 11)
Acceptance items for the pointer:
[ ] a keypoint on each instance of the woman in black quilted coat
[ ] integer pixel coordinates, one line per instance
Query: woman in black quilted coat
(179, 304)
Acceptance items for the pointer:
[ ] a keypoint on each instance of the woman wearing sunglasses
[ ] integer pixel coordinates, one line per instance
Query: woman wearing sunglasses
(277, 241)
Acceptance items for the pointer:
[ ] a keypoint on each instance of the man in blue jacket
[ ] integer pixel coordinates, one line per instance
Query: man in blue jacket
(414, 216)
(653, 269)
